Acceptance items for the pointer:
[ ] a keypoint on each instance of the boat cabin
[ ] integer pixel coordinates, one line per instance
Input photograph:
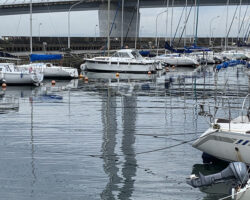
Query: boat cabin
(127, 53)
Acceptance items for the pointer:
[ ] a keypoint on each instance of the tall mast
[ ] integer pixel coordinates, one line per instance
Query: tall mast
(108, 27)
(239, 22)
(226, 26)
(31, 47)
(171, 30)
(137, 23)
(194, 21)
(185, 25)
(166, 23)
(122, 23)
(197, 22)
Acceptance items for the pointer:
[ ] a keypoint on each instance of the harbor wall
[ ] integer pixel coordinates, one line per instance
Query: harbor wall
(22, 44)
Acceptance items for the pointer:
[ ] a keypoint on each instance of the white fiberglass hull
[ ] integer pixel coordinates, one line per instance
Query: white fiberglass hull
(225, 145)
(118, 67)
(178, 61)
(18, 78)
(60, 72)
(52, 71)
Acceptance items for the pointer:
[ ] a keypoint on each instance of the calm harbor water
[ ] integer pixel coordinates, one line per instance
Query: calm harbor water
(113, 139)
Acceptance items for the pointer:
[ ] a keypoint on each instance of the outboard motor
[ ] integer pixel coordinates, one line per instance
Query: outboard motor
(236, 171)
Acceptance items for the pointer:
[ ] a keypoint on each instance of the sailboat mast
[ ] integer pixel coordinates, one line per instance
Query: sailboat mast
(166, 24)
(137, 23)
(197, 22)
(122, 23)
(108, 27)
(239, 22)
(31, 47)
(194, 21)
(185, 25)
(226, 26)
(171, 30)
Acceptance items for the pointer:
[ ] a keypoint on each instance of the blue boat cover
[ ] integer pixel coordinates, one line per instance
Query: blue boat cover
(37, 57)
(231, 63)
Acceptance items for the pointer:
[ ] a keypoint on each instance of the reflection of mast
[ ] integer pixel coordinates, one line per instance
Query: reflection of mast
(110, 158)
(128, 140)
(32, 147)
(108, 146)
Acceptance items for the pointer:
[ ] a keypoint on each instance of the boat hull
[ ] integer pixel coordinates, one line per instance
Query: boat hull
(52, 71)
(16, 78)
(120, 67)
(178, 61)
(228, 146)
(60, 72)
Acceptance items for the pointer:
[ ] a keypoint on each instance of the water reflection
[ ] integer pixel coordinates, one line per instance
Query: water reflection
(128, 140)
(119, 187)
(108, 147)
(32, 147)
(122, 76)
(49, 157)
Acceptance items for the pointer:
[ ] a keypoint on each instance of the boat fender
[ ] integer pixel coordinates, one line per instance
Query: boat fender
(21, 75)
(30, 69)
(216, 126)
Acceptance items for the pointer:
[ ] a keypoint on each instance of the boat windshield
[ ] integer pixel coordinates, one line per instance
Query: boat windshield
(121, 55)
(136, 55)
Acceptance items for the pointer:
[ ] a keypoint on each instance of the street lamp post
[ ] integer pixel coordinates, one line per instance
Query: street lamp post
(210, 28)
(39, 29)
(213, 36)
(69, 20)
(156, 33)
(95, 31)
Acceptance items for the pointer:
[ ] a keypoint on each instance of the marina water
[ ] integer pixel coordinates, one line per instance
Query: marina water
(114, 138)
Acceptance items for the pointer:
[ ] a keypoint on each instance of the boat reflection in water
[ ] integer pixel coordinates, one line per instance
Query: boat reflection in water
(121, 76)
(11, 95)
(119, 166)
(8, 104)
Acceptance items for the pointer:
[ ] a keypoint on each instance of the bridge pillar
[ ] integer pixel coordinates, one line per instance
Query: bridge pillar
(129, 22)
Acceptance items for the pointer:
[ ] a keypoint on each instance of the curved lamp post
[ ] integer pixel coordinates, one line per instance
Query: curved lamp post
(210, 28)
(69, 20)
(156, 33)
(39, 29)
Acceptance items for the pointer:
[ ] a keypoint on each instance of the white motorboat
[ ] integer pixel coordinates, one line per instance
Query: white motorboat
(12, 75)
(125, 60)
(232, 55)
(227, 140)
(177, 60)
(52, 71)
(203, 57)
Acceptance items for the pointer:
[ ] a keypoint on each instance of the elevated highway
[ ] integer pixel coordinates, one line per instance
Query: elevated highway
(63, 6)
(129, 23)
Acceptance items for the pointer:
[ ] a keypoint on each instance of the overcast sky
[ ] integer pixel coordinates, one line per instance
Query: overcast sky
(84, 23)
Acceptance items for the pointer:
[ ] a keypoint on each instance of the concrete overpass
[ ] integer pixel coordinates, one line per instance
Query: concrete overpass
(129, 25)
(63, 6)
